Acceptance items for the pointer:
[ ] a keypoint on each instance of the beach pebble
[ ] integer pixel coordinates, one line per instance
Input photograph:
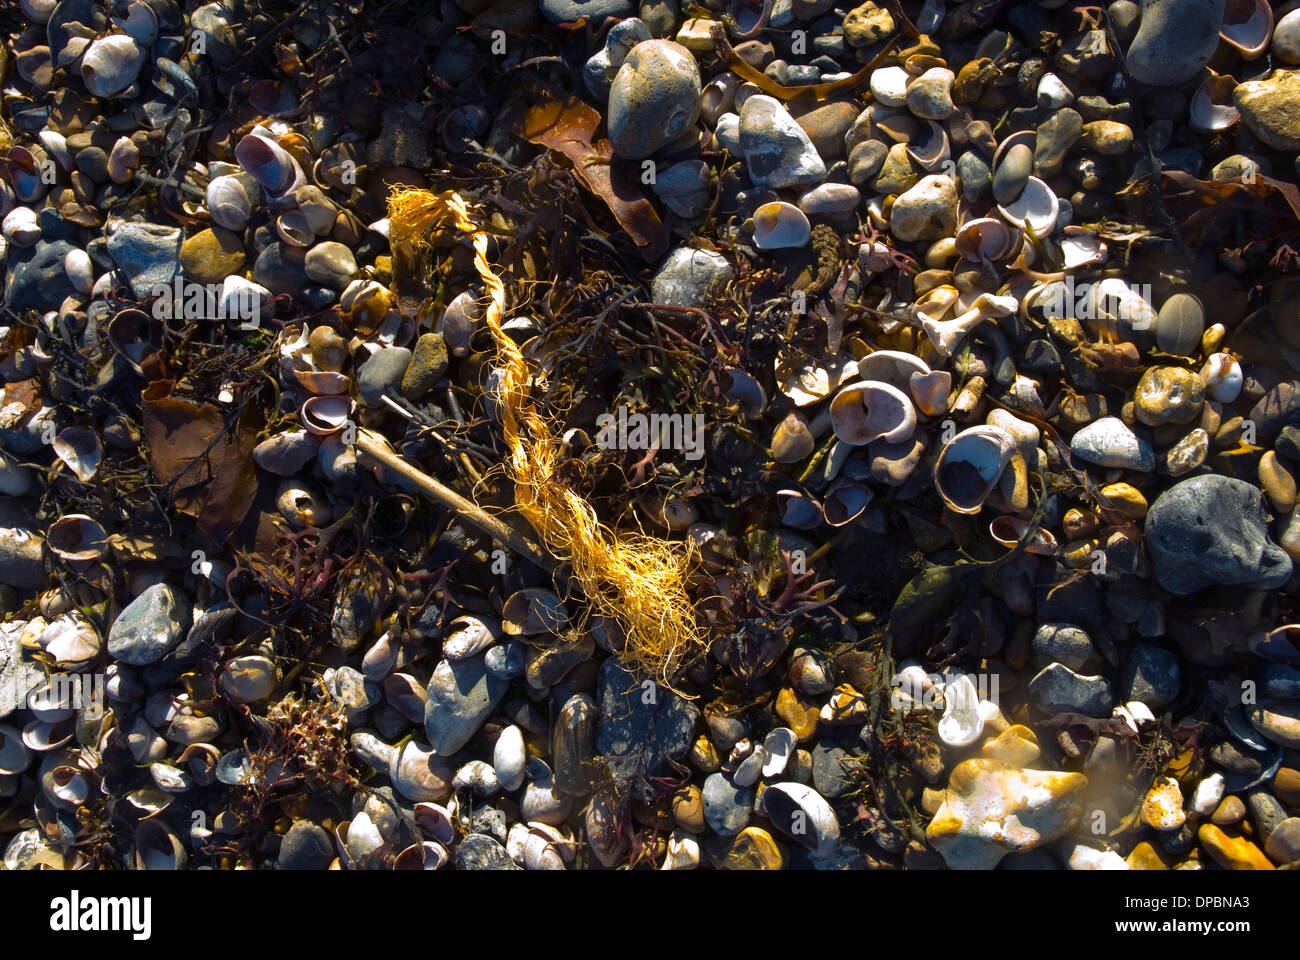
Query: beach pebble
(727, 807)
(778, 152)
(991, 808)
(149, 626)
(1213, 531)
(927, 211)
(599, 71)
(688, 276)
(1271, 108)
(1109, 443)
(654, 99)
(1058, 689)
(461, 694)
(1174, 40)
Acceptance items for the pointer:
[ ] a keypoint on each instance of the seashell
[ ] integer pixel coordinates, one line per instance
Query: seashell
(242, 299)
(272, 98)
(845, 501)
(320, 382)
(268, 163)
(25, 174)
(111, 64)
(533, 611)
(806, 385)
(969, 466)
(893, 367)
(929, 392)
(157, 847)
(863, 412)
(66, 786)
(718, 97)
(294, 228)
(459, 321)
(170, 779)
(138, 21)
(301, 504)
(947, 335)
(747, 392)
(81, 449)
(778, 747)
(1212, 109)
(14, 756)
(931, 151)
(20, 227)
(987, 238)
(228, 203)
(1080, 247)
(319, 210)
(1007, 530)
(1286, 39)
(818, 829)
(1036, 209)
(422, 856)
(57, 147)
(78, 538)
(1223, 377)
(1116, 306)
(150, 801)
(434, 821)
(779, 225)
(792, 440)
(798, 510)
(470, 635)
(478, 777)
(1250, 34)
(42, 736)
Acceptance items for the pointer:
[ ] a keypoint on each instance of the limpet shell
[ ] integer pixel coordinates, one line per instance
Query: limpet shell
(969, 466)
(1036, 209)
(111, 64)
(324, 415)
(81, 449)
(863, 412)
(1251, 34)
(78, 538)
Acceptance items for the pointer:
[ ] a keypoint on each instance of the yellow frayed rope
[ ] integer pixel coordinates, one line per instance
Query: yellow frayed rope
(636, 580)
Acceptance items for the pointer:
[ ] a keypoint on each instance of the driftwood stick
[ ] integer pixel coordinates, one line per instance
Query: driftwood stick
(377, 449)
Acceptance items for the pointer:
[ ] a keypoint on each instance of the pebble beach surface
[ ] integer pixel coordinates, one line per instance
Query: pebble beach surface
(953, 347)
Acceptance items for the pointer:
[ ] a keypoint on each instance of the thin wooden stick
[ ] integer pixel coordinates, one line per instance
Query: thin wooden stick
(376, 448)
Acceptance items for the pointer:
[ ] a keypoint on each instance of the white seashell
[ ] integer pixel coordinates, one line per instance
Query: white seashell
(80, 270)
(778, 747)
(228, 203)
(1250, 36)
(42, 736)
(779, 225)
(1036, 209)
(1080, 247)
(845, 501)
(140, 23)
(20, 227)
(57, 147)
(67, 787)
(893, 367)
(931, 152)
(363, 837)
(987, 238)
(961, 724)
(1207, 116)
(817, 828)
(111, 64)
(1286, 39)
(77, 537)
(946, 335)
(478, 777)
(863, 412)
(268, 163)
(244, 299)
(326, 414)
(683, 852)
(969, 466)
(797, 509)
(1223, 377)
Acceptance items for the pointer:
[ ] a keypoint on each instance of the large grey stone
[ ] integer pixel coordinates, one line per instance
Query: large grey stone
(150, 626)
(461, 696)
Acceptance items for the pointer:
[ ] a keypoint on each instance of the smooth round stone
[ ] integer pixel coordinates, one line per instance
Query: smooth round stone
(654, 99)
(1188, 453)
(279, 268)
(1053, 93)
(330, 263)
(1012, 173)
(1107, 137)
(1056, 136)
(727, 132)
(599, 71)
(1108, 442)
(889, 86)
(212, 255)
(1180, 324)
(461, 695)
(829, 199)
(1212, 531)
(1277, 720)
(975, 176)
(1271, 108)
(1174, 40)
(149, 626)
(1061, 643)
(1231, 853)
(249, 679)
(1229, 811)
(568, 11)
(1277, 482)
(1162, 808)
(864, 161)
(898, 172)
(1279, 407)
(305, 846)
(688, 277)
(1286, 39)
(382, 374)
(428, 365)
(727, 808)
(778, 152)
(1283, 844)
(827, 125)
(1151, 675)
(929, 96)
(1168, 395)
(928, 211)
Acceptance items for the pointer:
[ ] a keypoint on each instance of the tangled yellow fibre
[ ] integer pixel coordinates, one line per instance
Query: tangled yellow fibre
(636, 580)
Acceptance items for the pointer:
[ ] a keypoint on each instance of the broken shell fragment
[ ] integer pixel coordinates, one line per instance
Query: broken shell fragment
(845, 501)
(76, 537)
(81, 450)
(863, 412)
(1249, 34)
(969, 466)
